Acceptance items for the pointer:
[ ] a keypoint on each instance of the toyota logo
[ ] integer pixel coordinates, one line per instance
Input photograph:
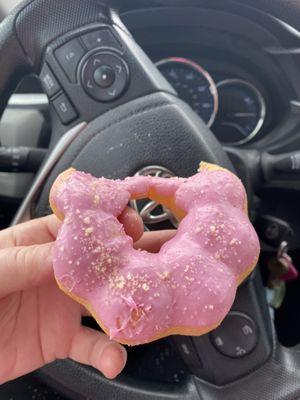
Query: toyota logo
(151, 212)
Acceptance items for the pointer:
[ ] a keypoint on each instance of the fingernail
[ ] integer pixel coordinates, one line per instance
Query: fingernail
(112, 360)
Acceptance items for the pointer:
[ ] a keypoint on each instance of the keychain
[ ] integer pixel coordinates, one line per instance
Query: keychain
(282, 270)
(281, 266)
(286, 260)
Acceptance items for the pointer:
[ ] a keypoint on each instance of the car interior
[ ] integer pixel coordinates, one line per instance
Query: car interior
(118, 88)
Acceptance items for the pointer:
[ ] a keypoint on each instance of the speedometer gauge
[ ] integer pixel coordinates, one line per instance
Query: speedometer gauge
(193, 84)
(241, 113)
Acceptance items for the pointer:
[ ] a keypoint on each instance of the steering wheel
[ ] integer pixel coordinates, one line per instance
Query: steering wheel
(113, 114)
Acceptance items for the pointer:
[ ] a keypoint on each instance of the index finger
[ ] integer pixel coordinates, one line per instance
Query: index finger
(152, 241)
(44, 230)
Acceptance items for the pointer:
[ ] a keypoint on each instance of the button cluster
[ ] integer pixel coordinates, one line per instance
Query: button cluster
(104, 76)
(237, 336)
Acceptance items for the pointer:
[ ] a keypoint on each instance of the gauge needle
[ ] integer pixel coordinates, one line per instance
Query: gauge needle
(241, 115)
(236, 126)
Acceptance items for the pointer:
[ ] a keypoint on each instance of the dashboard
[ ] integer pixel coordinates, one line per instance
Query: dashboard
(223, 66)
(228, 67)
(237, 95)
(219, 63)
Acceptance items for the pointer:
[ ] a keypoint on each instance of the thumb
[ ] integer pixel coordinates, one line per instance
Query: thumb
(24, 267)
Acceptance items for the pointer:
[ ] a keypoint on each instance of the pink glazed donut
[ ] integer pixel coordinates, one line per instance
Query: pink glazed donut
(135, 296)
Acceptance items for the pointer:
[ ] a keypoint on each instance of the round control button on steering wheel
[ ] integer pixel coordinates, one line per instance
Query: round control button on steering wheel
(104, 76)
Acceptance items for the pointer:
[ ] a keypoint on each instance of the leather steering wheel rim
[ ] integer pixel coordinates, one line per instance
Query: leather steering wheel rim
(24, 41)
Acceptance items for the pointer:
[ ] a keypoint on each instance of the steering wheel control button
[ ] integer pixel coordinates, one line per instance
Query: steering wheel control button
(100, 38)
(64, 109)
(188, 352)
(105, 76)
(69, 56)
(49, 82)
(236, 337)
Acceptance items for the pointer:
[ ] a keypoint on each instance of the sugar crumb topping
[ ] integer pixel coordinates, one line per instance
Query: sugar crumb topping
(89, 231)
(120, 282)
(145, 287)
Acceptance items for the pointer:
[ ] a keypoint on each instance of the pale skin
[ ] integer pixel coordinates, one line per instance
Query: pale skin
(39, 323)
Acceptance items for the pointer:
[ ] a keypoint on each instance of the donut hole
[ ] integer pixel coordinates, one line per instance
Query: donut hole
(160, 215)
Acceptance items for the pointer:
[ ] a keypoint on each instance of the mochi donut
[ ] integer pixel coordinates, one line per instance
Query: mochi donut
(135, 296)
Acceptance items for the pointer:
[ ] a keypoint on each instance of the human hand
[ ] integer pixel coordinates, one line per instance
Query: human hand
(38, 322)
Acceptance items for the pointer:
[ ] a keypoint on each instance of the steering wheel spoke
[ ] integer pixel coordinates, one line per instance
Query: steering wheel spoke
(94, 69)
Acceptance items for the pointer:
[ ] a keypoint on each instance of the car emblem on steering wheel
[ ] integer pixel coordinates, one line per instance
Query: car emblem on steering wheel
(151, 212)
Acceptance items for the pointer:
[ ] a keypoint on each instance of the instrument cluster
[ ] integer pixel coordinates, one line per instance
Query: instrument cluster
(234, 109)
